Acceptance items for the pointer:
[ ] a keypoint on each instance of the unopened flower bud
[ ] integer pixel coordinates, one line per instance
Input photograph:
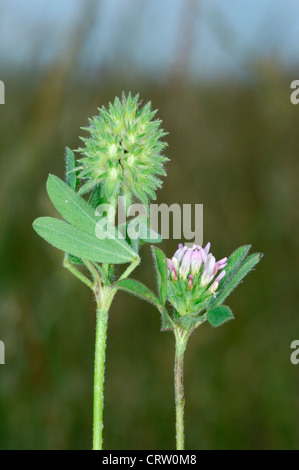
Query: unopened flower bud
(215, 284)
(190, 282)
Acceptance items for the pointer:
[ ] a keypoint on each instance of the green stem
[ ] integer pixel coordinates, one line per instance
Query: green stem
(99, 376)
(181, 339)
(104, 296)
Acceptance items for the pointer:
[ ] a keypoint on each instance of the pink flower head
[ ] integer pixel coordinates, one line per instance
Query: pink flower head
(188, 262)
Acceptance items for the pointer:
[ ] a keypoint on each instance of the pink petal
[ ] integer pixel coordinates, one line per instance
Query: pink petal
(207, 248)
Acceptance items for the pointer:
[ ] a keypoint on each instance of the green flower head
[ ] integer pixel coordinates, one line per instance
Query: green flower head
(123, 152)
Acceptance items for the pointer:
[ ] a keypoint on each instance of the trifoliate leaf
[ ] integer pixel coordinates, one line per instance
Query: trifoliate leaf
(72, 240)
(75, 210)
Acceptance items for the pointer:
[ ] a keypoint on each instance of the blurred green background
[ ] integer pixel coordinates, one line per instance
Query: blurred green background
(220, 78)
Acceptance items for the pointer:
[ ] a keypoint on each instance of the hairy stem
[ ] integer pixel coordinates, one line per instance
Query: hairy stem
(99, 376)
(104, 296)
(181, 339)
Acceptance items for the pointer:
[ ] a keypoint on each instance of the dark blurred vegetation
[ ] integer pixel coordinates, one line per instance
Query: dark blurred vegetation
(234, 148)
